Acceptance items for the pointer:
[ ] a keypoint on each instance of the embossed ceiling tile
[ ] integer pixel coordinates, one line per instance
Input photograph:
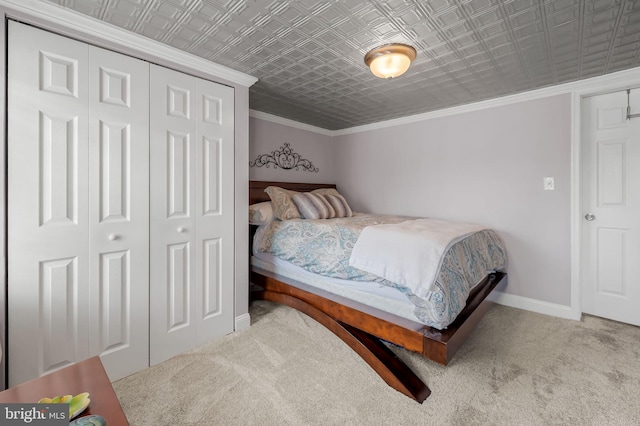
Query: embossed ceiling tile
(184, 38)
(526, 18)
(309, 53)
(488, 18)
(531, 40)
(435, 7)
(493, 37)
(564, 17)
(597, 38)
(384, 29)
(124, 14)
(556, 6)
(472, 49)
(566, 53)
(449, 17)
(454, 31)
(518, 6)
(91, 7)
(622, 60)
(479, 7)
(592, 63)
(505, 53)
(168, 11)
(409, 17)
(603, 17)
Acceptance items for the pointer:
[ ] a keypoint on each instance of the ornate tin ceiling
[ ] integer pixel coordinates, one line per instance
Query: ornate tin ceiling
(308, 54)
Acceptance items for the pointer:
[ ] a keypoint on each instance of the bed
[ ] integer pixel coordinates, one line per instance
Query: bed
(368, 327)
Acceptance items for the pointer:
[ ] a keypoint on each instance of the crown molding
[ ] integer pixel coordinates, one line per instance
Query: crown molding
(71, 23)
(588, 87)
(290, 123)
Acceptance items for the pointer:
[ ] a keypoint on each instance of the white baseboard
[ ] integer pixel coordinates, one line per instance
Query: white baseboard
(243, 322)
(533, 305)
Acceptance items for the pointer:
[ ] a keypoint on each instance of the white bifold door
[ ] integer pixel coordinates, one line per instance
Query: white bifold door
(120, 187)
(78, 203)
(192, 221)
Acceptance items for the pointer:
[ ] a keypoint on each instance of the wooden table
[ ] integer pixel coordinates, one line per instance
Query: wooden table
(85, 376)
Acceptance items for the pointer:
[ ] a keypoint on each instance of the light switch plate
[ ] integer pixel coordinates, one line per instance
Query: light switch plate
(549, 184)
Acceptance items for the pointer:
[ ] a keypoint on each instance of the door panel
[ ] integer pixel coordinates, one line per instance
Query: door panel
(611, 193)
(212, 278)
(179, 283)
(48, 242)
(114, 289)
(59, 311)
(179, 175)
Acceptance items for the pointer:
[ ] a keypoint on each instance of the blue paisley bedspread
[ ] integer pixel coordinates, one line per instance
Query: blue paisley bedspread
(324, 246)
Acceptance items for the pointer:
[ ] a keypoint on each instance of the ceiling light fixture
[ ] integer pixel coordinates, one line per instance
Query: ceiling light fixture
(390, 60)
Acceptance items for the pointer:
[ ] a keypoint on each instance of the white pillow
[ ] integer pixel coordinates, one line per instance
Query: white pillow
(260, 213)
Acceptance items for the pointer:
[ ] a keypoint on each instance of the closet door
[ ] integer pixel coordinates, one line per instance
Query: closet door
(191, 212)
(78, 206)
(48, 239)
(119, 211)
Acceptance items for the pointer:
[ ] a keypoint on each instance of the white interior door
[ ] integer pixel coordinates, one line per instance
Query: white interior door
(191, 212)
(48, 239)
(119, 211)
(611, 208)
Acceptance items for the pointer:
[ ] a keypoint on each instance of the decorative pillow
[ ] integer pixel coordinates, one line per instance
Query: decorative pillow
(313, 206)
(337, 201)
(318, 206)
(260, 213)
(283, 206)
(339, 204)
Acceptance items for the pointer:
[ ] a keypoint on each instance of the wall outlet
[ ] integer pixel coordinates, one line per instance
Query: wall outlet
(549, 184)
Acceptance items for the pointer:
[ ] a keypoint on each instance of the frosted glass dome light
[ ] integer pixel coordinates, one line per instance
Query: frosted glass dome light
(391, 60)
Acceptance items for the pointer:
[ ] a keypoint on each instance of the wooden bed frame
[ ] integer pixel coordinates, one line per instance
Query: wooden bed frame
(364, 328)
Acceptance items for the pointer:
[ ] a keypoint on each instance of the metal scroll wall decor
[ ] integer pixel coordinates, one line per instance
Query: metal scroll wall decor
(284, 158)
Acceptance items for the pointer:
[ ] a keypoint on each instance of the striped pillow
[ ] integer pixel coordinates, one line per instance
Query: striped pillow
(319, 206)
(339, 204)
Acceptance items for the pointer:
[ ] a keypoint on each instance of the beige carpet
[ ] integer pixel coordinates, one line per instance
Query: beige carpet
(517, 368)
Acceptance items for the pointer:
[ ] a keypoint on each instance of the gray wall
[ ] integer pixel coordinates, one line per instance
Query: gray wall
(266, 137)
(485, 166)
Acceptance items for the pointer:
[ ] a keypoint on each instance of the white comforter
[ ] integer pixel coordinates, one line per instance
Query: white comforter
(408, 253)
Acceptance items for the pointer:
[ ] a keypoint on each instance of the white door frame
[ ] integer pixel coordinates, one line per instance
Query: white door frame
(600, 85)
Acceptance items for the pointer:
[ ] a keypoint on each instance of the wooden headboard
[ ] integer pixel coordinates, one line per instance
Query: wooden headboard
(257, 194)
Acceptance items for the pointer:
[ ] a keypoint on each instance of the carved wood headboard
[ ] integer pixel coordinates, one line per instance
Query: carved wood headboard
(257, 194)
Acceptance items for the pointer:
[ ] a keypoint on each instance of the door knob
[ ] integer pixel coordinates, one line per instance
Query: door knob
(181, 229)
(589, 217)
(112, 237)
